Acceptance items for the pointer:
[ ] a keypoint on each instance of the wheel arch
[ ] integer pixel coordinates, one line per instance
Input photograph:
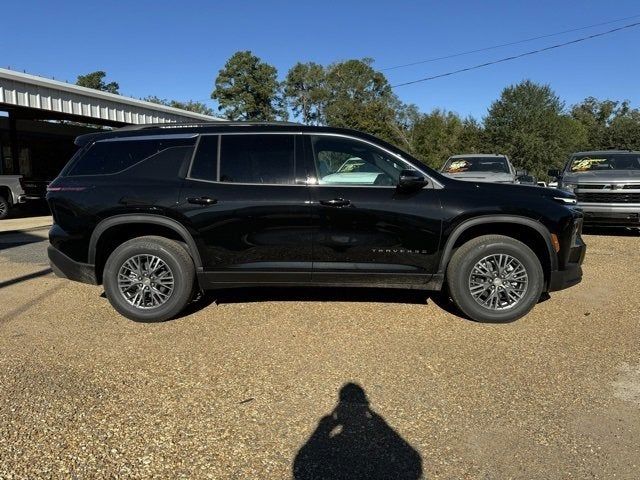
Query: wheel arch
(6, 193)
(508, 225)
(123, 227)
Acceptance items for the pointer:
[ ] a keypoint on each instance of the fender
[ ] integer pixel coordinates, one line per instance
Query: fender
(465, 225)
(174, 225)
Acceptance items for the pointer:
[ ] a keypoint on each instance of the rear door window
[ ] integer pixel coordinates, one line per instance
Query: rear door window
(205, 162)
(113, 156)
(267, 159)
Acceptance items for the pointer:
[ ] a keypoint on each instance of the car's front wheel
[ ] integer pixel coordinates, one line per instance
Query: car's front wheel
(495, 278)
(149, 279)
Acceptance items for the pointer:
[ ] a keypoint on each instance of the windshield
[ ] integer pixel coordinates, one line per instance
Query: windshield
(476, 164)
(614, 161)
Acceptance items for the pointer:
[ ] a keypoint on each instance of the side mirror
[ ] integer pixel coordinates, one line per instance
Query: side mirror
(521, 173)
(553, 172)
(411, 180)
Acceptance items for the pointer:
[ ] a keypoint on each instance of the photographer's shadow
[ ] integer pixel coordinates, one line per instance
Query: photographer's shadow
(354, 442)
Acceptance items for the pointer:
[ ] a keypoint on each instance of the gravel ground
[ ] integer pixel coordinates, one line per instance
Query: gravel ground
(319, 384)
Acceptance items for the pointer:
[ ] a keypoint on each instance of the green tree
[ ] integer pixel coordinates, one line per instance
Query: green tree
(528, 123)
(624, 131)
(360, 97)
(609, 123)
(189, 105)
(305, 92)
(438, 135)
(248, 89)
(96, 81)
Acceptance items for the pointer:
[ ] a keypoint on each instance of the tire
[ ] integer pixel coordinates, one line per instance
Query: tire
(501, 306)
(154, 302)
(4, 207)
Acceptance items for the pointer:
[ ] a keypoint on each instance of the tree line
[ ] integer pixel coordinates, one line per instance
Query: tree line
(528, 122)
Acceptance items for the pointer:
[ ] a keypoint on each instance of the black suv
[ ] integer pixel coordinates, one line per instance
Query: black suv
(158, 213)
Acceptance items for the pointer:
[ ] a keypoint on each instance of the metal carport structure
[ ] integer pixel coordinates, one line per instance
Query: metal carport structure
(30, 97)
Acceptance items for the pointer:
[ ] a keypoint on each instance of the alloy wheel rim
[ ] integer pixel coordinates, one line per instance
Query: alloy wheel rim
(498, 282)
(3, 207)
(145, 281)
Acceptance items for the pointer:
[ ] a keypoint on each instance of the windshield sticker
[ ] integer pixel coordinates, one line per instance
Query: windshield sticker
(458, 166)
(585, 164)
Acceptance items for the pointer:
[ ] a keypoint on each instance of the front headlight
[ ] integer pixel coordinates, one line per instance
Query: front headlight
(569, 187)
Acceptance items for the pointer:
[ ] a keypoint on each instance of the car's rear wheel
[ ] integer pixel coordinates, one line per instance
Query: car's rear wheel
(494, 278)
(4, 207)
(149, 279)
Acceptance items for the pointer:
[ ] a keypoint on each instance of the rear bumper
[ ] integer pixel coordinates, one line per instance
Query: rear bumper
(65, 267)
(614, 215)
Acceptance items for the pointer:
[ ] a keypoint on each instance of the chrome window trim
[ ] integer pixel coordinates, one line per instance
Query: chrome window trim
(195, 150)
(148, 137)
(435, 183)
(189, 177)
(396, 155)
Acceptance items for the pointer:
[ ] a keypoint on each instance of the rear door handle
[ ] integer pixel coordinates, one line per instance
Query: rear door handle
(202, 200)
(335, 202)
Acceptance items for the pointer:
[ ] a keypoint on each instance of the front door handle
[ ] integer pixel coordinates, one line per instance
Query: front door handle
(202, 200)
(335, 202)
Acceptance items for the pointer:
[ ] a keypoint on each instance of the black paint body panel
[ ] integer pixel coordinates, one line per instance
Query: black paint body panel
(254, 234)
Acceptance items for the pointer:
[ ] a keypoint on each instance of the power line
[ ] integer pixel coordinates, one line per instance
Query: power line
(453, 55)
(513, 57)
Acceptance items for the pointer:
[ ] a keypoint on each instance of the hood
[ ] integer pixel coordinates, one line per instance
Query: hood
(597, 176)
(492, 177)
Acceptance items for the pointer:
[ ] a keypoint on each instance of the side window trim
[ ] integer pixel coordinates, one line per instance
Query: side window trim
(68, 169)
(195, 153)
(432, 180)
(314, 166)
(297, 137)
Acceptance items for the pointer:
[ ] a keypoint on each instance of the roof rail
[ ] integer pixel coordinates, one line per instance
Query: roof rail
(201, 124)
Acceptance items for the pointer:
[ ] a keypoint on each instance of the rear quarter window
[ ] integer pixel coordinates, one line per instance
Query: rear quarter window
(109, 157)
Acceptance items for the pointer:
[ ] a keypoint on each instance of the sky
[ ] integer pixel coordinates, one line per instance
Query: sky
(174, 49)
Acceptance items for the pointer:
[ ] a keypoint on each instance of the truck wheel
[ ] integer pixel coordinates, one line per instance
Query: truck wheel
(4, 207)
(149, 279)
(494, 278)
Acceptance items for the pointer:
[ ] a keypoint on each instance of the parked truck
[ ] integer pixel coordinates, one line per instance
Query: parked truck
(11, 193)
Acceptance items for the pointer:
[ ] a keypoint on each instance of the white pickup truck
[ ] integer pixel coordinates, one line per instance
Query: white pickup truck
(11, 193)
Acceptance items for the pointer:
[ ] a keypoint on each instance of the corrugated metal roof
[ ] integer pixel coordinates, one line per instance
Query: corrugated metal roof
(30, 91)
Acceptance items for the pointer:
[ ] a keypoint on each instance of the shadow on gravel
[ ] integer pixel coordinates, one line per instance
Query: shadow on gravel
(24, 278)
(313, 294)
(354, 442)
(318, 294)
(17, 239)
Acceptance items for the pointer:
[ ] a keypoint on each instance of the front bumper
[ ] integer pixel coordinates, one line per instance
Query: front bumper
(66, 267)
(612, 215)
(571, 272)
(561, 279)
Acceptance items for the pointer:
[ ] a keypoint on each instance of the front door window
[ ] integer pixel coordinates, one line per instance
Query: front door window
(343, 161)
